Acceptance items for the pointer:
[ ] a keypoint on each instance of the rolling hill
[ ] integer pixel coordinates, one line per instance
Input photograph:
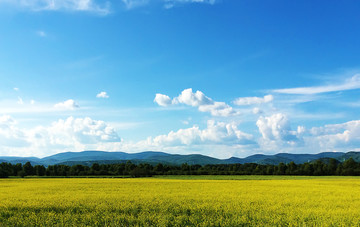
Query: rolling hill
(152, 157)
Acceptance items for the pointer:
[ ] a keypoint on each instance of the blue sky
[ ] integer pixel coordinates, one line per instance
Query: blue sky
(216, 77)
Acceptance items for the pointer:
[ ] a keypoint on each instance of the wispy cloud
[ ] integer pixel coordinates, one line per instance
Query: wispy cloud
(191, 1)
(130, 4)
(61, 5)
(349, 84)
(245, 101)
(171, 3)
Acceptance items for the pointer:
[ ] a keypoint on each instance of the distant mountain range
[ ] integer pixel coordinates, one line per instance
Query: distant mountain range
(152, 157)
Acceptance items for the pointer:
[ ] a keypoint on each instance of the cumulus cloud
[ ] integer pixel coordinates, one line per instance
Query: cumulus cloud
(67, 105)
(277, 127)
(75, 134)
(338, 135)
(191, 98)
(349, 84)
(215, 133)
(197, 99)
(277, 136)
(61, 5)
(220, 139)
(82, 130)
(102, 94)
(253, 100)
(162, 100)
(218, 109)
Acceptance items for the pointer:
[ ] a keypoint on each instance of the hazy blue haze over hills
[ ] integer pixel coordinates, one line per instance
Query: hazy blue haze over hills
(103, 157)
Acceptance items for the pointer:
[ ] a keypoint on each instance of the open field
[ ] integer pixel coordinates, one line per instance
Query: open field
(222, 201)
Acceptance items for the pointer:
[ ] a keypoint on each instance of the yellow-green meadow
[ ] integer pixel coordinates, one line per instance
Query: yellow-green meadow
(294, 201)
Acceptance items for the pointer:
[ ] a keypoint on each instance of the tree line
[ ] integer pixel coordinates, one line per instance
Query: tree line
(317, 168)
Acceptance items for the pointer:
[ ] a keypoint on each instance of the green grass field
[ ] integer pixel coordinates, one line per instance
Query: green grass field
(181, 201)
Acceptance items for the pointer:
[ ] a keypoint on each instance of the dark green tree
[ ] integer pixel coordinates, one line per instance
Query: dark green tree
(28, 169)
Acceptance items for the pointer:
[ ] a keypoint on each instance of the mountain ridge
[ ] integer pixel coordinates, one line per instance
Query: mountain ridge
(154, 157)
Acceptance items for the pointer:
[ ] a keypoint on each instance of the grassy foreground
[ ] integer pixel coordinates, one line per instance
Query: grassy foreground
(179, 202)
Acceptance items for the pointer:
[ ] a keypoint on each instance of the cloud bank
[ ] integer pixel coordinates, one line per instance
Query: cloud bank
(71, 134)
(335, 136)
(215, 133)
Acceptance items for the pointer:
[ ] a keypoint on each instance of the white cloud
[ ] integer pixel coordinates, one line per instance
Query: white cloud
(218, 139)
(130, 4)
(338, 135)
(6, 119)
(171, 3)
(278, 137)
(193, 99)
(215, 133)
(71, 134)
(253, 100)
(67, 105)
(162, 100)
(257, 110)
(82, 130)
(9, 134)
(16, 89)
(102, 94)
(200, 100)
(349, 84)
(277, 127)
(32, 102)
(218, 109)
(61, 5)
